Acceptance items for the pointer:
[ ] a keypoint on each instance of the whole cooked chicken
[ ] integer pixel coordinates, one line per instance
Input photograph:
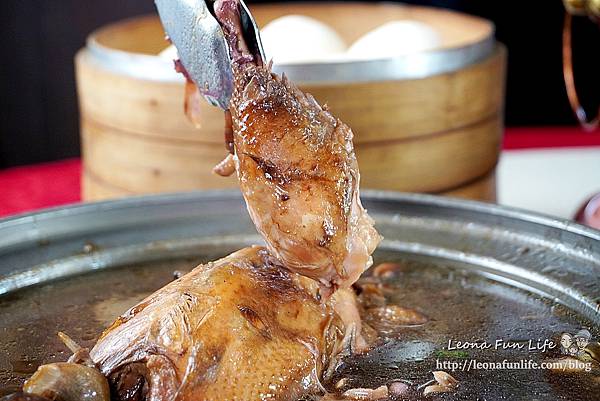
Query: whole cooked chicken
(297, 170)
(262, 323)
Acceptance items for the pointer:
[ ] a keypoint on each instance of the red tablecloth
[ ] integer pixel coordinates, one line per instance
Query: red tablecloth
(41, 185)
(51, 184)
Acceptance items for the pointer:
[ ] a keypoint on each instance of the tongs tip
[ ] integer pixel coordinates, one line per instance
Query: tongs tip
(194, 30)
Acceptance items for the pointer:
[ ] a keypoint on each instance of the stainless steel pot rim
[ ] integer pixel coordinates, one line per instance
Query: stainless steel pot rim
(557, 259)
(412, 66)
(12, 222)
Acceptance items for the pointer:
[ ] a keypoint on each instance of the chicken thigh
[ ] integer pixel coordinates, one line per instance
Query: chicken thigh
(297, 170)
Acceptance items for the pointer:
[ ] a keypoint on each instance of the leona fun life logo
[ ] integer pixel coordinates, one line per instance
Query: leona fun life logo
(574, 344)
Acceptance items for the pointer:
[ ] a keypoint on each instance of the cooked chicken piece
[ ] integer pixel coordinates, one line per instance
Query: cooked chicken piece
(240, 328)
(297, 170)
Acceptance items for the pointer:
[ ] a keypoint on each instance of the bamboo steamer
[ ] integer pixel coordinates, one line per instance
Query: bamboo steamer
(481, 188)
(434, 129)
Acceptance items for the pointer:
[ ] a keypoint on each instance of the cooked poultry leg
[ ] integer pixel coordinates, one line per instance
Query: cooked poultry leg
(297, 170)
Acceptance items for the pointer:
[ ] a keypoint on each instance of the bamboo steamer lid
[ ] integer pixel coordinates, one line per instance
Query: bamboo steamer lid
(436, 129)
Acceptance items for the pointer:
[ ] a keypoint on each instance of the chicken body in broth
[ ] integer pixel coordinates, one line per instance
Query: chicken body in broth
(241, 328)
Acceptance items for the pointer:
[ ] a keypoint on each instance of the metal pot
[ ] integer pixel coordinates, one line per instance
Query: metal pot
(480, 272)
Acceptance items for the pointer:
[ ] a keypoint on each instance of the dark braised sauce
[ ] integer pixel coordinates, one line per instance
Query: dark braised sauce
(460, 306)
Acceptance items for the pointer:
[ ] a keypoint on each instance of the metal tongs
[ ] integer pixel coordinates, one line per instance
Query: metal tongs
(203, 51)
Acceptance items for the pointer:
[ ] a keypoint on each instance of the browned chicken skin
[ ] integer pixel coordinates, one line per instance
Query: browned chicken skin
(299, 176)
(297, 170)
(241, 328)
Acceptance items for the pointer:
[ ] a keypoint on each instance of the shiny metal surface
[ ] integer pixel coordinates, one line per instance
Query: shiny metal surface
(201, 47)
(557, 259)
(251, 31)
(412, 66)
